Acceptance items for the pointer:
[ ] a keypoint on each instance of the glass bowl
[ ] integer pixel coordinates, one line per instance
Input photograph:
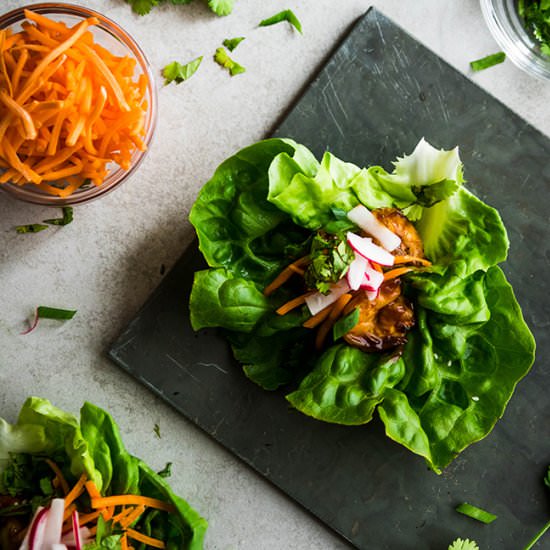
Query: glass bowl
(520, 46)
(115, 39)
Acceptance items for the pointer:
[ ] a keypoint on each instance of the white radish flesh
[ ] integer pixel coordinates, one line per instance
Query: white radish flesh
(366, 220)
(356, 271)
(36, 530)
(371, 251)
(54, 522)
(318, 301)
(375, 278)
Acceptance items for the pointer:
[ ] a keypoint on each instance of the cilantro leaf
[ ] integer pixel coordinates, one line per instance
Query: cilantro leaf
(487, 61)
(536, 19)
(221, 57)
(232, 43)
(221, 7)
(142, 7)
(176, 72)
(285, 15)
(467, 544)
(166, 471)
(156, 429)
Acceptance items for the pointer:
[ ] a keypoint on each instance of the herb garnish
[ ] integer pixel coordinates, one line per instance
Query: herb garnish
(221, 57)
(232, 43)
(166, 471)
(65, 220)
(345, 324)
(330, 258)
(156, 429)
(31, 228)
(476, 513)
(539, 535)
(467, 544)
(143, 7)
(487, 61)
(536, 19)
(176, 72)
(285, 15)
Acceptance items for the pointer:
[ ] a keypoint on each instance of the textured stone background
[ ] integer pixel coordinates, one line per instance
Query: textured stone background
(108, 260)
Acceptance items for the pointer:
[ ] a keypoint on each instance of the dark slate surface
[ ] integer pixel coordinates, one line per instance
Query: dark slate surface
(379, 93)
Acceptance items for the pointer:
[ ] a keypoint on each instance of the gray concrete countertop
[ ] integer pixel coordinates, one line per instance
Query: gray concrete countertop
(108, 261)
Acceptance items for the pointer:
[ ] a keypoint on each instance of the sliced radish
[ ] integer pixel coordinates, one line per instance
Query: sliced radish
(76, 531)
(366, 220)
(373, 294)
(58, 546)
(356, 271)
(69, 538)
(36, 531)
(318, 301)
(374, 277)
(54, 522)
(371, 251)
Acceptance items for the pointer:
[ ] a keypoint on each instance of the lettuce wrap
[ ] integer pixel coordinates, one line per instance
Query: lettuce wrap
(470, 345)
(44, 435)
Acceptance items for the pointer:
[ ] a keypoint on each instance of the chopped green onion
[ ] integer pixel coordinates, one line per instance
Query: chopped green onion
(66, 219)
(488, 61)
(166, 471)
(31, 228)
(221, 57)
(285, 15)
(232, 43)
(44, 312)
(345, 324)
(476, 513)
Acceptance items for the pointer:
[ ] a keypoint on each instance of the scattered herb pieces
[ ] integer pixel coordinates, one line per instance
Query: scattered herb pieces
(285, 15)
(65, 220)
(221, 57)
(475, 513)
(539, 535)
(143, 7)
(232, 43)
(176, 72)
(536, 19)
(44, 312)
(345, 324)
(487, 61)
(166, 471)
(31, 228)
(156, 429)
(467, 544)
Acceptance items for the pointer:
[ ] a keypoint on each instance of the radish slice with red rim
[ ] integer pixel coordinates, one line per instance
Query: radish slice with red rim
(375, 278)
(36, 531)
(371, 251)
(318, 301)
(54, 522)
(356, 271)
(76, 531)
(367, 221)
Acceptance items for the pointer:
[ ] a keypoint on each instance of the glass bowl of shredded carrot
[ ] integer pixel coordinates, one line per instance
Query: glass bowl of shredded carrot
(77, 104)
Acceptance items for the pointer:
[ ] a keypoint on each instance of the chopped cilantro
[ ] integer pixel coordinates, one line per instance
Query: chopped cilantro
(285, 15)
(45, 312)
(467, 544)
(232, 43)
(536, 19)
(176, 72)
(156, 429)
(221, 57)
(31, 228)
(143, 7)
(487, 61)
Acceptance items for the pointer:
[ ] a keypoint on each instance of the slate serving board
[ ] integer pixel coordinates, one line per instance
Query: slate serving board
(377, 95)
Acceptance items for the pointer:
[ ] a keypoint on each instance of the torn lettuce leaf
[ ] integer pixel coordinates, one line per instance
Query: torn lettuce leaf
(470, 346)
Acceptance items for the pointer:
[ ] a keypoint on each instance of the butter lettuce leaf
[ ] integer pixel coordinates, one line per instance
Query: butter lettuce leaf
(470, 346)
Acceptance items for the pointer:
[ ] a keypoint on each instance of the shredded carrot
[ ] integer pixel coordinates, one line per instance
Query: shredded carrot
(83, 519)
(69, 108)
(285, 275)
(292, 304)
(124, 542)
(132, 516)
(122, 500)
(336, 310)
(411, 260)
(140, 537)
(69, 511)
(394, 273)
(59, 475)
(76, 491)
(92, 489)
(318, 318)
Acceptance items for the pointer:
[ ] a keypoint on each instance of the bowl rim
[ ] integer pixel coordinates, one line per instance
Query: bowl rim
(117, 177)
(512, 43)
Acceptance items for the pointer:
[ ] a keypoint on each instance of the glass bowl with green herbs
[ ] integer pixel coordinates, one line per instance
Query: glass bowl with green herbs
(522, 29)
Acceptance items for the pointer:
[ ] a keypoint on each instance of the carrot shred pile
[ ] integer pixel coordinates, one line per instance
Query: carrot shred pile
(68, 107)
